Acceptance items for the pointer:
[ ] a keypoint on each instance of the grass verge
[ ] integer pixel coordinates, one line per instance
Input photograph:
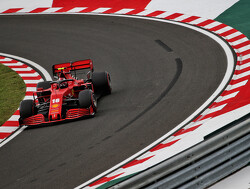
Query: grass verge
(12, 91)
(238, 17)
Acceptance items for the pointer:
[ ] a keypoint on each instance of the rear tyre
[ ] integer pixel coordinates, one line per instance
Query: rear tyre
(26, 108)
(102, 83)
(87, 99)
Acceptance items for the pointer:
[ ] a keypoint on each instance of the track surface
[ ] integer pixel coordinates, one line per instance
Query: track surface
(161, 73)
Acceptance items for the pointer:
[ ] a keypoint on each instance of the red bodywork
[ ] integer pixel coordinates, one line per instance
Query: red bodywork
(61, 93)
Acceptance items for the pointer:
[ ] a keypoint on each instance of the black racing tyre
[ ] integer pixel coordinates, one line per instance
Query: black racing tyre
(87, 99)
(43, 85)
(102, 83)
(26, 108)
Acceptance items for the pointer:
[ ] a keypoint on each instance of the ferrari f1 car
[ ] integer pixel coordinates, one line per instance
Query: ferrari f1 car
(67, 97)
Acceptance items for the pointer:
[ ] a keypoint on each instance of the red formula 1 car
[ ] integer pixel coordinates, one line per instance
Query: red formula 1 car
(67, 97)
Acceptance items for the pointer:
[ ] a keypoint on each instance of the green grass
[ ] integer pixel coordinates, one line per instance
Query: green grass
(12, 91)
(238, 17)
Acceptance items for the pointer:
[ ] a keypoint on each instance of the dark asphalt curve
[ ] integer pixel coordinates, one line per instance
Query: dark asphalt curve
(161, 73)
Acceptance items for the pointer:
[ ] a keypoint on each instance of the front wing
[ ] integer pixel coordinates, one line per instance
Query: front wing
(70, 114)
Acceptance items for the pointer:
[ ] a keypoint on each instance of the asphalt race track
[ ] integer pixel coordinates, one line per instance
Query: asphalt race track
(161, 73)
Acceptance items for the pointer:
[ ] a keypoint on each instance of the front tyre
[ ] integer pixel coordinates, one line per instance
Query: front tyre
(87, 99)
(26, 108)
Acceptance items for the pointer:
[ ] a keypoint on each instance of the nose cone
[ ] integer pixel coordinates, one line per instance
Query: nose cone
(55, 116)
(55, 107)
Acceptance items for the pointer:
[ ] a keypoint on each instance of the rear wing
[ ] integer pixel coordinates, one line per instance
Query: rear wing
(78, 65)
